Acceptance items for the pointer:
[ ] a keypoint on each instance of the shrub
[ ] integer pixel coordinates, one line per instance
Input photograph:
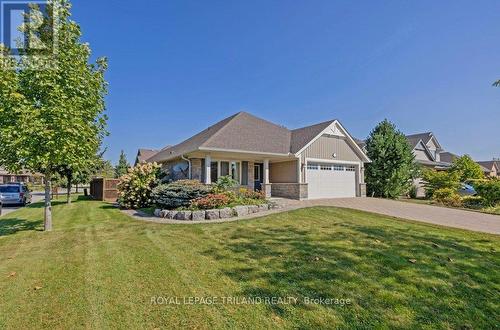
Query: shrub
(136, 186)
(412, 193)
(448, 197)
(489, 191)
(224, 183)
(435, 180)
(179, 193)
(250, 194)
(472, 202)
(211, 201)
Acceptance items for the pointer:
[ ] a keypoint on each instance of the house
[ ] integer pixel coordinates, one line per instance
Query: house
(448, 157)
(22, 176)
(143, 155)
(318, 161)
(427, 151)
(490, 168)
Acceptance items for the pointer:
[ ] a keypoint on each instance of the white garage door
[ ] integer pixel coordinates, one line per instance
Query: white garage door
(331, 180)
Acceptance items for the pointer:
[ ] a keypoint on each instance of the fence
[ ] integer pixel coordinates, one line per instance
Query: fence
(104, 189)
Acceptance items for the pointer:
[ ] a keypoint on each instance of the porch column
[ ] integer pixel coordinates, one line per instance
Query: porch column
(208, 162)
(266, 171)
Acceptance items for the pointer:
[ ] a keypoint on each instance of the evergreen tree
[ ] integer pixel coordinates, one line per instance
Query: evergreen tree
(393, 167)
(122, 168)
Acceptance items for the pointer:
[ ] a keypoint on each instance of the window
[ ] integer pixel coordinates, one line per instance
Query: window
(338, 168)
(235, 171)
(350, 168)
(312, 166)
(213, 172)
(326, 167)
(224, 168)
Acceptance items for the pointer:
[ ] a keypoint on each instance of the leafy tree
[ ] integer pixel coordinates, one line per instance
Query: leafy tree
(393, 168)
(122, 167)
(52, 118)
(467, 168)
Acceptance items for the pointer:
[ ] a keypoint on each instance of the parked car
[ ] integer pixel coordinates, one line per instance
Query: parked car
(467, 190)
(15, 194)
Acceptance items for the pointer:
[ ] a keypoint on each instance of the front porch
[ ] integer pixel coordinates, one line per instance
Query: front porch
(278, 176)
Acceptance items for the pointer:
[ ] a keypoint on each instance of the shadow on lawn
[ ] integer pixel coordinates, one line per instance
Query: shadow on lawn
(12, 226)
(370, 264)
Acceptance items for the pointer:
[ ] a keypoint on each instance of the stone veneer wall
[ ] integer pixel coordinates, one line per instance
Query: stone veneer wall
(289, 190)
(362, 190)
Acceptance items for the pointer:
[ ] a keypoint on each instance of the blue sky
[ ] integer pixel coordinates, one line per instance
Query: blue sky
(177, 67)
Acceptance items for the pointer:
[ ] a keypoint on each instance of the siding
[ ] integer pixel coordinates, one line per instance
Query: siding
(326, 146)
(285, 172)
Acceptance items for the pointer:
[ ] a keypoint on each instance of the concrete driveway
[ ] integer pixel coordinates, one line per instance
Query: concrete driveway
(469, 220)
(35, 197)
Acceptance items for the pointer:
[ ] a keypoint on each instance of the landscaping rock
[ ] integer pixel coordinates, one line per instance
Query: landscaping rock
(157, 212)
(226, 213)
(253, 209)
(183, 215)
(263, 207)
(198, 215)
(164, 213)
(241, 210)
(212, 214)
(170, 214)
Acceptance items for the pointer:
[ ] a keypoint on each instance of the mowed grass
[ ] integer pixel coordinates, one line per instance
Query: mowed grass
(99, 269)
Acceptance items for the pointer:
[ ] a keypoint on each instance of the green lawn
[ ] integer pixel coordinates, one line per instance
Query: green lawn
(99, 269)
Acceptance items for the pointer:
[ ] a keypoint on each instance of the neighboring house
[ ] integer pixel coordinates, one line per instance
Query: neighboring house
(490, 168)
(23, 176)
(318, 161)
(448, 157)
(143, 155)
(427, 151)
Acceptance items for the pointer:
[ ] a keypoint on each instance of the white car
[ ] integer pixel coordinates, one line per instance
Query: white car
(14, 194)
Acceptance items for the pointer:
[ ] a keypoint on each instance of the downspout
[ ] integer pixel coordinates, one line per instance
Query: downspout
(189, 164)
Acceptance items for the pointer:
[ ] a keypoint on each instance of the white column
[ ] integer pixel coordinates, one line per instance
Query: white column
(266, 171)
(208, 161)
(299, 170)
(361, 173)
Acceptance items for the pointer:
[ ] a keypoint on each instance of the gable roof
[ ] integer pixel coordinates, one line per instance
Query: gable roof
(489, 165)
(144, 154)
(244, 132)
(302, 136)
(448, 157)
(425, 137)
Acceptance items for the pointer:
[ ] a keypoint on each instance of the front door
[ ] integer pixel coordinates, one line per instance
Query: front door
(257, 176)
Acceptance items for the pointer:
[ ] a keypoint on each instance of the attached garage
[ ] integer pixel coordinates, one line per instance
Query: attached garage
(327, 180)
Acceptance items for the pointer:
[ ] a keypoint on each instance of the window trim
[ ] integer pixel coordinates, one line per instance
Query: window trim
(218, 161)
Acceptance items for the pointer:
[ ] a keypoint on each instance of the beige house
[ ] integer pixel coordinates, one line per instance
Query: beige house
(490, 168)
(23, 176)
(318, 161)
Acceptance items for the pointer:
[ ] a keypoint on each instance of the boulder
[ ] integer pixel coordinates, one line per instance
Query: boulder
(163, 213)
(157, 212)
(226, 213)
(183, 215)
(253, 209)
(170, 214)
(263, 207)
(241, 210)
(198, 215)
(212, 214)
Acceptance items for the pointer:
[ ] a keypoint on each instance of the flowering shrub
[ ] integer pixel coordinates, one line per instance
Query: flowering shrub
(250, 194)
(211, 201)
(179, 193)
(136, 186)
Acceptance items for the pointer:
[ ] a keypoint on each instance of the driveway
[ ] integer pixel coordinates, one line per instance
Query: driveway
(35, 197)
(475, 221)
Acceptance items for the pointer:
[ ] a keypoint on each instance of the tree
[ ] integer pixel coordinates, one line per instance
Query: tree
(393, 168)
(52, 118)
(467, 169)
(122, 168)
(438, 180)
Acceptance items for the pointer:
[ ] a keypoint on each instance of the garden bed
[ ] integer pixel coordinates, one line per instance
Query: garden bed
(213, 214)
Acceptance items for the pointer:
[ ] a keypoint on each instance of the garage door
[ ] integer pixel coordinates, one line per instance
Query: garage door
(331, 180)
